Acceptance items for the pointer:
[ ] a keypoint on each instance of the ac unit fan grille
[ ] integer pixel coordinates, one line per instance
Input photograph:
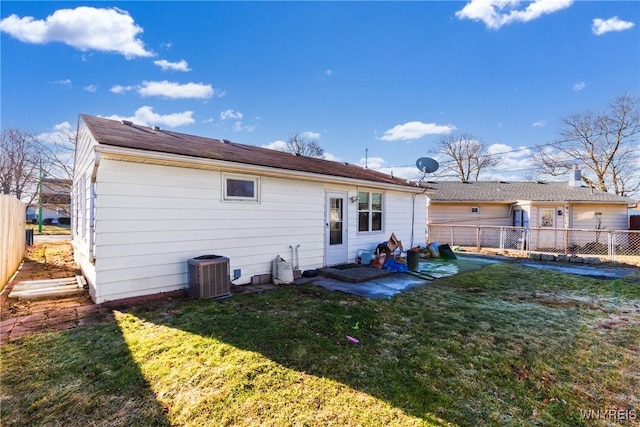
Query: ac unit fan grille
(209, 277)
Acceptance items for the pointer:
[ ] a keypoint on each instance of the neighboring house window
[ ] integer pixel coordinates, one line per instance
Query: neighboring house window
(241, 188)
(475, 210)
(370, 208)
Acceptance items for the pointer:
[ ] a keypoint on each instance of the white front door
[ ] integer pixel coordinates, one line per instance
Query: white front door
(335, 247)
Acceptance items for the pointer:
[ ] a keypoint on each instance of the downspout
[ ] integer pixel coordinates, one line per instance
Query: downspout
(92, 196)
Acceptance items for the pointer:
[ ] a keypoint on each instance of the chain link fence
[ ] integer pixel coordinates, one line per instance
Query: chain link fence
(614, 245)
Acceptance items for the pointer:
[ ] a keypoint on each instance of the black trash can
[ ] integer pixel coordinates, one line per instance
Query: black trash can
(29, 237)
(413, 260)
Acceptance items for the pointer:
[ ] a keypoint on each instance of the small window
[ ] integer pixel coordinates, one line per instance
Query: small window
(370, 211)
(475, 210)
(241, 188)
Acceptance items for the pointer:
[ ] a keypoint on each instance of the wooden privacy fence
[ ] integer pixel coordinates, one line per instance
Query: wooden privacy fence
(12, 236)
(610, 244)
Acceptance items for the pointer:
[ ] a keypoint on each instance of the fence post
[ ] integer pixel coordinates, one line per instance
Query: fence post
(612, 245)
(609, 247)
(477, 238)
(566, 241)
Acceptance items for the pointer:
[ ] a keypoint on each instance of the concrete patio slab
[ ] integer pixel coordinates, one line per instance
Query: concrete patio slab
(391, 283)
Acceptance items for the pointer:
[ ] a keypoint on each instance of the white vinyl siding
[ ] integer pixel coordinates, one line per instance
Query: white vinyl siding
(398, 220)
(462, 214)
(81, 221)
(614, 217)
(152, 219)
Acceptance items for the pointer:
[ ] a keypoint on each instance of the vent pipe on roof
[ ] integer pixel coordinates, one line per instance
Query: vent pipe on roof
(156, 128)
(127, 122)
(226, 141)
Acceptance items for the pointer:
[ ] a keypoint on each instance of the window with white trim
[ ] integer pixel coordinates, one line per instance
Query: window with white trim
(241, 188)
(370, 211)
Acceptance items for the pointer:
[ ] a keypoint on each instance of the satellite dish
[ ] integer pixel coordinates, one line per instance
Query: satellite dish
(427, 165)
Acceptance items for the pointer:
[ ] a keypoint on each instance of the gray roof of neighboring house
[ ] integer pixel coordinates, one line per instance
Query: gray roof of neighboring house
(495, 191)
(116, 133)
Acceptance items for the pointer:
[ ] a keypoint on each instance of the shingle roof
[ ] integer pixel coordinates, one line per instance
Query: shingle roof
(116, 133)
(494, 191)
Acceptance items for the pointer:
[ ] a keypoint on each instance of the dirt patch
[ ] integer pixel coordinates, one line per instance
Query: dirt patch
(556, 300)
(50, 260)
(45, 260)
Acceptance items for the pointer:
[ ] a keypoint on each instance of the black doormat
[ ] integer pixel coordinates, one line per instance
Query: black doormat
(354, 273)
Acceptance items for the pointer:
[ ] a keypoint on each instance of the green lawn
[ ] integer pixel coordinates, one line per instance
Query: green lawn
(505, 345)
(50, 229)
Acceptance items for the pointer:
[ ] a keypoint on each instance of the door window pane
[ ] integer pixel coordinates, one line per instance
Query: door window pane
(546, 217)
(335, 233)
(335, 221)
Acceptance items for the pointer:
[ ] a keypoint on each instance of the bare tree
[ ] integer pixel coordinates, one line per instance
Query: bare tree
(605, 144)
(20, 159)
(466, 156)
(27, 160)
(58, 152)
(301, 145)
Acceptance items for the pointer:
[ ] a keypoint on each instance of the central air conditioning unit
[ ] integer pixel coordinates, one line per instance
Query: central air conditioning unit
(209, 277)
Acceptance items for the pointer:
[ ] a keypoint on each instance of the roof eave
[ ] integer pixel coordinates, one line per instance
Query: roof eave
(114, 152)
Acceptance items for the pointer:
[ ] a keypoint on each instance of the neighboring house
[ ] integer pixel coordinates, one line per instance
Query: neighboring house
(545, 211)
(529, 205)
(56, 200)
(147, 200)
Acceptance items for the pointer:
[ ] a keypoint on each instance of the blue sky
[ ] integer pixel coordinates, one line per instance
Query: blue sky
(388, 77)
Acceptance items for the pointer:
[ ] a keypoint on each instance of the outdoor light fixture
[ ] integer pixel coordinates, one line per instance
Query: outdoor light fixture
(354, 199)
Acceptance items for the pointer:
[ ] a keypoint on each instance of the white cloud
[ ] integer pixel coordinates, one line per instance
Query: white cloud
(513, 162)
(372, 162)
(121, 89)
(496, 13)
(91, 88)
(579, 86)
(602, 26)
(84, 28)
(239, 127)
(230, 115)
(145, 116)
(277, 145)
(310, 135)
(331, 157)
(61, 133)
(539, 124)
(415, 130)
(328, 72)
(174, 90)
(65, 82)
(174, 66)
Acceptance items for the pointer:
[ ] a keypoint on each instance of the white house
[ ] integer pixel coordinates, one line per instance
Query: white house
(146, 200)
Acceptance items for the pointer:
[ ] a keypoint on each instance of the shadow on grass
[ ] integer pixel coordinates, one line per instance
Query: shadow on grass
(404, 358)
(305, 328)
(84, 376)
(502, 346)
